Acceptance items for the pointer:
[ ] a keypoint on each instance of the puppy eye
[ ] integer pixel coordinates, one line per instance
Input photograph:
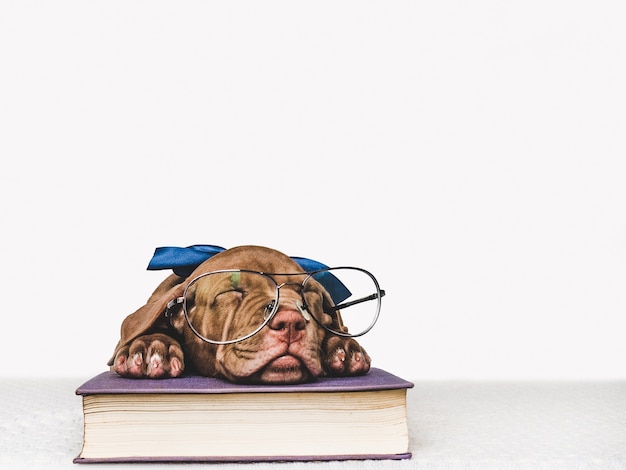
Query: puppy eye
(313, 300)
(228, 299)
(237, 292)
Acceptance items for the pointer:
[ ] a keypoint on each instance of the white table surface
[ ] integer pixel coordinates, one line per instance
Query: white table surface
(452, 425)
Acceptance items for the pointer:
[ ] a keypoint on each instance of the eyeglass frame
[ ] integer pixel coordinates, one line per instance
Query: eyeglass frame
(378, 295)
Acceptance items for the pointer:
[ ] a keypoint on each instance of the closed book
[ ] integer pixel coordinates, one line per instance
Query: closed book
(195, 418)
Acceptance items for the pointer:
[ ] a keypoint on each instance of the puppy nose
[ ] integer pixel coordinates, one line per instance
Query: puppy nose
(289, 325)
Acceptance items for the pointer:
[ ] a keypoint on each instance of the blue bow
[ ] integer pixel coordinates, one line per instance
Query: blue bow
(183, 261)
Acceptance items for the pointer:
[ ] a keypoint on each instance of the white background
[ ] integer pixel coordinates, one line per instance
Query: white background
(470, 154)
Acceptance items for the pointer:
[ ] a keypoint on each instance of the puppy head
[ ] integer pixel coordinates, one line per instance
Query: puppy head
(286, 346)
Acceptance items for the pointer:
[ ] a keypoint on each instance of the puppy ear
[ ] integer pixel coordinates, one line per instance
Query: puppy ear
(329, 309)
(150, 317)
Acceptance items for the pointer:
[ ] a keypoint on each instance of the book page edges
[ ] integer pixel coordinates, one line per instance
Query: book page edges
(232, 427)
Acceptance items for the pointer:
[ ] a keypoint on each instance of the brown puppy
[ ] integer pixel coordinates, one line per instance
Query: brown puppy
(290, 348)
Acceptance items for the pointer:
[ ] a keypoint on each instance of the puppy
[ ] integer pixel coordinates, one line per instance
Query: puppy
(289, 349)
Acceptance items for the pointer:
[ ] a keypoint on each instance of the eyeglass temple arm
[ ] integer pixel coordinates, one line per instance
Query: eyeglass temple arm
(358, 301)
(171, 304)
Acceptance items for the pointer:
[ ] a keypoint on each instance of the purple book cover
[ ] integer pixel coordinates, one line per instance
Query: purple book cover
(110, 382)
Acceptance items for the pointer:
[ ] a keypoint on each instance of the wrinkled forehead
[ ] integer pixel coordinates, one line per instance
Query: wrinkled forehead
(217, 282)
(259, 259)
(250, 258)
(247, 280)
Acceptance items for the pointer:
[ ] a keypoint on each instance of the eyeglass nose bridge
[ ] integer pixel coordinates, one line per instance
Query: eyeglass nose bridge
(289, 283)
(300, 305)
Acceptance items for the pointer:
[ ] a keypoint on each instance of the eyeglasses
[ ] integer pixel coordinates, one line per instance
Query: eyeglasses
(349, 296)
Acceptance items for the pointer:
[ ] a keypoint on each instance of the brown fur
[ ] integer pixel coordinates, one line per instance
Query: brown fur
(287, 350)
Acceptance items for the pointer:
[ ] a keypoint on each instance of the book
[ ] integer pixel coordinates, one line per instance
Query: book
(194, 418)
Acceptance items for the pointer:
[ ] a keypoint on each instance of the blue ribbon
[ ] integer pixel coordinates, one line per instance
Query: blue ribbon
(183, 261)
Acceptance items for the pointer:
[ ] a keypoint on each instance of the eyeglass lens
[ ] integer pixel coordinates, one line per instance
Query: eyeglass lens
(359, 304)
(211, 300)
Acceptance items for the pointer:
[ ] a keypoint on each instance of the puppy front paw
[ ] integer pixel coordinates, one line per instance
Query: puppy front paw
(345, 356)
(150, 356)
